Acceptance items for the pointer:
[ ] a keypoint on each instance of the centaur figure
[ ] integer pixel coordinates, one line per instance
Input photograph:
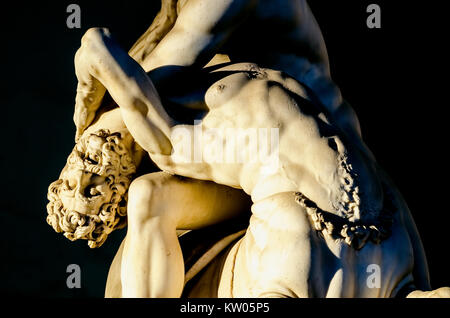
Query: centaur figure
(324, 216)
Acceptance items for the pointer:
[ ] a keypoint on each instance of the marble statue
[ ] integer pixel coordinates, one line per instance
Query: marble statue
(307, 221)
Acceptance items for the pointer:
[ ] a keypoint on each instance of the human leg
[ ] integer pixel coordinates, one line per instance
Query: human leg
(158, 205)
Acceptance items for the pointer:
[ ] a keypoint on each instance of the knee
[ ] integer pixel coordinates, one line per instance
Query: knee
(94, 35)
(93, 46)
(146, 199)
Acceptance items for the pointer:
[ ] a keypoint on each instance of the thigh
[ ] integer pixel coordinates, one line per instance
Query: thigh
(192, 203)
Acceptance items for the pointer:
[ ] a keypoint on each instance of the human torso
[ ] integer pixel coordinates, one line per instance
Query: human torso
(278, 27)
(310, 154)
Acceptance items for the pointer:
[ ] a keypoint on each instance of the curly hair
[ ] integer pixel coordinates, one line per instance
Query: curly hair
(104, 154)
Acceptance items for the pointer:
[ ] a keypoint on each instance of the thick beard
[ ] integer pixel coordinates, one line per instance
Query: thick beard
(94, 228)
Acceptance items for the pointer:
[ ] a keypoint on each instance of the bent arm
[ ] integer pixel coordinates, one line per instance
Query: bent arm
(104, 63)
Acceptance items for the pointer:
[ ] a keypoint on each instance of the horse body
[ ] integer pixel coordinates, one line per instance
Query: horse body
(312, 265)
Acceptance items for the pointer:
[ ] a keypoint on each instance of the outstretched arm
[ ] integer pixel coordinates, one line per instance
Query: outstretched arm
(101, 65)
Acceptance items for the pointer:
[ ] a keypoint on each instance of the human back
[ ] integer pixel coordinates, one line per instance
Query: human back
(277, 34)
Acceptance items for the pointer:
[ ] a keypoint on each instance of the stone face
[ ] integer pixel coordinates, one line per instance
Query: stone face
(325, 220)
(89, 199)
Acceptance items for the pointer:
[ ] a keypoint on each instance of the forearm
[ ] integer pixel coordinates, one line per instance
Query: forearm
(130, 87)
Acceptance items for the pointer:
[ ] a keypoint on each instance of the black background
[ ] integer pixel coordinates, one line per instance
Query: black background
(395, 78)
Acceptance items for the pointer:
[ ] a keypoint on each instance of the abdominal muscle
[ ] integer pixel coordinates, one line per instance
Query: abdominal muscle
(256, 98)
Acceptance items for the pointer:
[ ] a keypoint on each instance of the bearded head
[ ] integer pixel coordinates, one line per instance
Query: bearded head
(89, 199)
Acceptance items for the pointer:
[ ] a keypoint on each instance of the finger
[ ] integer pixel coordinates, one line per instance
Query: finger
(78, 134)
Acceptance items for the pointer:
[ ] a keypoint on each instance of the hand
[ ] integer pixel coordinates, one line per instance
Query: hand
(90, 90)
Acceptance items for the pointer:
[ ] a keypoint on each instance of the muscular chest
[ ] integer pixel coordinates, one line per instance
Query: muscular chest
(243, 100)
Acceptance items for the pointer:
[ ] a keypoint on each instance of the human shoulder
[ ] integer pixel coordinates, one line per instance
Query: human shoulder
(213, 16)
